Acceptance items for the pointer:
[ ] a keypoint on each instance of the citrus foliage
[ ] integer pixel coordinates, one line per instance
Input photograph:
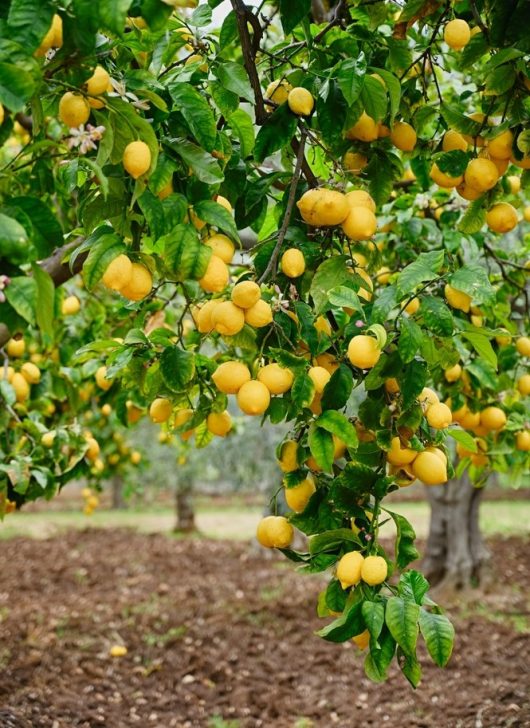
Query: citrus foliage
(375, 159)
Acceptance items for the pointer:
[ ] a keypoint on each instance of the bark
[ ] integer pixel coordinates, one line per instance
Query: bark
(185, 511)
(118, 502)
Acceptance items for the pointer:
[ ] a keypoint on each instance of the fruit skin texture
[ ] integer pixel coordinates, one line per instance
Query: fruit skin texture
(439, 416)
(453, 140)
(101, 381)
(443, 180)
(293, 263)
(277, 379)
(429, 468)
(21, 387)
(363, 351)
(140, 283)
(30, 372)
(457, 299)
(354, 162)
(53, 38)
(523, 384)
(403, 136)
(215, 278)
(298, 497)
(360, 224)
(522, 441)
(457, 34)
(300, 101)
(493, 418)
(501, 218)
(321, 207)
(500, 146)
(278, 91)
(398, 455)
(203, 318)
(136, 159)
(258, 315)
(275, 532)
(222, 247)
(349, 569)
(228, 319)
(360, 198)
(453, 374)
(374, 570)
(160, 410)
(320, 377)
(98, 81)
(47, 439)
(219, 423)
(15, 348)
(481, 174)
(73, 110)
(118, 273)
(365, 129)
(70, 306)
(515, 183)
(230, 376)
(253, 398)
(522, 345)
(246, 294)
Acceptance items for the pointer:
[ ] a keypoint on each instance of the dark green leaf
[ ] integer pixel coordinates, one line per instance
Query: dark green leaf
(338, 389)
(425, 268)
(321, 447)
(195, 109)
(410, 339)
(292, 12)
(205, 167)
(439, 634)
(401, 618)
(374, 618)
(303, 390)
(177, 367)
(215, 214)
(340, 426)
(436, 316)
(405, 549)
(275, 134)
(234, 78)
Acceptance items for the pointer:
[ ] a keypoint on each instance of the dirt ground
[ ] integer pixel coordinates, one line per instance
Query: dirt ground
(220, 637)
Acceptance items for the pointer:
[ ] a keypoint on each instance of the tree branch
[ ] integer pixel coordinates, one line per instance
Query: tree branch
(249, 49)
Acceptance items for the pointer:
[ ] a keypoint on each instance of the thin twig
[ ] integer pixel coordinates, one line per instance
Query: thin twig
(335, 20)
(249, 56)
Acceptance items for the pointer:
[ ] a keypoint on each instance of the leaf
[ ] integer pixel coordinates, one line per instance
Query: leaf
(102, 253)
(380, 177)
(17, 86)
(453, 163)
(345, 297)
(338, 389)
(474, 218)
(184, 254)
(45, 300)
(21, 293)
(205, 167)
(386, 300)
(177, 367)
(112, 15)
(473, 280)
(401, 618)
(459, 122)
(410, 339)
(332, 540)
(201, 17)
(275, 134)
(303, 390)
(292, 12)
(374, 98)
(197, 112)
(344, 627)
(321, 447)
(410, 667)
(329, 274)
(378, 660)
(413, 586)
(47, 233)
(413, 382)
(393, 87)
(29, 22)
(374, 618)
(500, 80)
(14, 245)
(350, 78)
(463, 437)
(425, 268)
(482, 346)
(405, 549)
(340, 426)
(243, 129)
(436, 316)
(411, 10)
(234, 78)
(439, 634)
(215, 214)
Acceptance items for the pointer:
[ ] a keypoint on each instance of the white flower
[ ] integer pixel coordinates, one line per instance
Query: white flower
(85, 139)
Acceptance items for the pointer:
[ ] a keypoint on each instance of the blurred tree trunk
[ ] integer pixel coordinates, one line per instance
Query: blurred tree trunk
(456, 556)
(118, 501)
(185, 511)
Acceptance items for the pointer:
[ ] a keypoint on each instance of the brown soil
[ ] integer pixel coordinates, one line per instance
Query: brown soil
(215, 629)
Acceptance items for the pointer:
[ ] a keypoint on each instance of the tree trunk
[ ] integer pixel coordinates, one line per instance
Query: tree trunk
(455, 556)
(185, 512)
(118, 502)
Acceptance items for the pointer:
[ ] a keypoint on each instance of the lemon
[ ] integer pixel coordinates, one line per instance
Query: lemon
(453, 374)
(48, 438)
(316, 407)
(481, 174)
(288, 456)
(277, 379)
(215, 278)
(219, 423)
(136, 159)
(246, 294)
(349, 569)
(181, 417)
(403, 136)
(523, 384)
(363, 351)
(468, 193)
(118, 651)
(444, 180)
(439, 453)
(98, 82)
(93, 448)
(221, 246)
(230, 376)
(515, 183)
(360, 198)
(360, 224)
(522, 345)
(53, 38)
(106, 410)
(522, 441)
(228, 319)
(293, 263)
(197, 58)
(457, 34)
(354, 162)
(453, 140)
(253, 398)
(320, 377)
(429, 468)
(258, 315)
(374, 570)
(365, 129)
(322, 207)
(73, 110)
(412, 306)
(275, 532)
(160, 410)
(427, 397)
(501, 218)
(500, 146)
(140, 283)
(298, 497)
(493, 418)
(457, 299)
(118, 273)
(470, 420)
(323, 326)
(203, 317)
(30, 372)
(166, 190)
(392, 385)
(101, 379)
(383, 275)
(523, 163)
(439, 416)
(398, 455)
(300, 101)
(70, 306)
(21, 387)
(278, 91)
(362, 640)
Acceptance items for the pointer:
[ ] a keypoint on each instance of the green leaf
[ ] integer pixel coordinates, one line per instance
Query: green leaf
(197, 112)
(453, 163)
(332, 540)
(405, 549)
(384, 303)
(14, 244)
(413, 586)
(45, 300)
(215, 214)
(463, 437)
(329, 274)
(393, 87)
(439, 634)
(7, 393)
(338, 389)
(411, 9)
(303, 390)
(156, 13)
(374, 98)
(112, 15)
(29, 21)
(275, 134)
(473, 280)
(401, 618)
(177, 367)
(460, 122)
(321, 447)
(436, 316)
(184, 253)
(340, 426)
(243, 129)
(380, 176)
(17, 86)
(482, 346)
(128, 126)
(21, 293)
(500, 80)
(413, 382)
(410, 339)
(205, 167)
(345, 297)
(102, 253)
(425, 268)
(292, 12)
(47, 233)
(201, 17)
(350, 78)
(474, 218)
(374, 618)
(234, 78)
(410, 667)
(349, 624)
(378, 660)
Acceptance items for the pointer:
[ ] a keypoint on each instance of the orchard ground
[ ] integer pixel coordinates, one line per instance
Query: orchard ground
(220, 633)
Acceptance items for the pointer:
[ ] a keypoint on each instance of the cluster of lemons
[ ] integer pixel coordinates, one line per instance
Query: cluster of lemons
(162, 411)
(353, 211)
(91, 501)
(23, 377)
(129, 278)
(229, 316)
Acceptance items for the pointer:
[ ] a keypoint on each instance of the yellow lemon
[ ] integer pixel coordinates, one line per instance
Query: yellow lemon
(363, 351)
(118, 273)
(73, 109)
(98, 81)
(360, 198)
(365, 129)
(221, 246)
(522, 441)
(453, 374)
(48, 438)
(118, 651)
(320, 377)
(275, 532)
(93, 448)
(457, 299)
(21, 387)
(219, 423)
(444, 180)
(300, 101)
(392, 385)
(181, 417)
(453, 140)
(70, 306)
(228, 319)
(481, 174)
(53, 38)
(398, 455)
(298, 497)
(101, 379)
(30, 372)
(160, 410)
(216, 275)
(322, 207)
(278, 91)
(412, 306)
(136, 159)
(427, 397)
(457, 34)
(523, 384)
(360, 224)
(203, 317)
(349, 569)
(500, 146)
(354, 162)
(522, 345)
(403, 136)
(439, 416)
(277, 379)
(374, 570)
(253, 398)
(515, 183)
(429, 468)
(245, 294)
(493, 418)
(140, 283)
(501, 218)
(288, 456)
(293, 263)
(468, 193)
(230, 376)
(258, 315)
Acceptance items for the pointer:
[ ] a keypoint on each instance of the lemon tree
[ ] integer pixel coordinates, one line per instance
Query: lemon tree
(318, 217)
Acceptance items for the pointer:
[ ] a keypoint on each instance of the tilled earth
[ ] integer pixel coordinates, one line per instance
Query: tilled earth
(219, 636)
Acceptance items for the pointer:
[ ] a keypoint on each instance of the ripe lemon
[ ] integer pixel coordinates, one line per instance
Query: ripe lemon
(398, 455)
(328, 361)
(453, 140)
(493, 418)
(360, 198)
(53, 38)
(501, 164)
(288, 456)
(457, 299)
(203, 318)
(140, 283)
(30, 372)
(439, 453)
(321, 207)
(360, 224)
(98, 82)
(523, 384)
(73, 110)
(522, 345)
(278, 91)
(453, 374)
(93, 448)
(222, 247)
(70, 306)
(258, 315)
(365, 292)
(523, 163)
(522, 441)
(349, 569)
(118, 273)
(277, 379)
(501, 218)
(160, 410)
(293, 263)
(470, 420)
(215, 278)
(427, 397)
(429, 468)
(300, 101)
(228, 319)
(412, 306)
(106, 410)
(298, 497)
(136, 457)
(136, 159)
(166, 190)
(275, 532)
(444, 180)
(101, 380)
(246, 294)
(323, 326)
(320, 377)
(21, 387)
(468, 193)
(363, 351)
(181, 417)
(48, 438)
(481, 174)
(224, 203)
(374, 570)
(219, 423)
(383, 275)
(403, 136)
(118, 651)
(365, 129)
(253, 398)
(457, 34)
(392, 385)
(354, 162)
(500, 146)
(230, 376)
(197, 58)
(134, 413)
(515, 183)
(439, 416)
(362, 640)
